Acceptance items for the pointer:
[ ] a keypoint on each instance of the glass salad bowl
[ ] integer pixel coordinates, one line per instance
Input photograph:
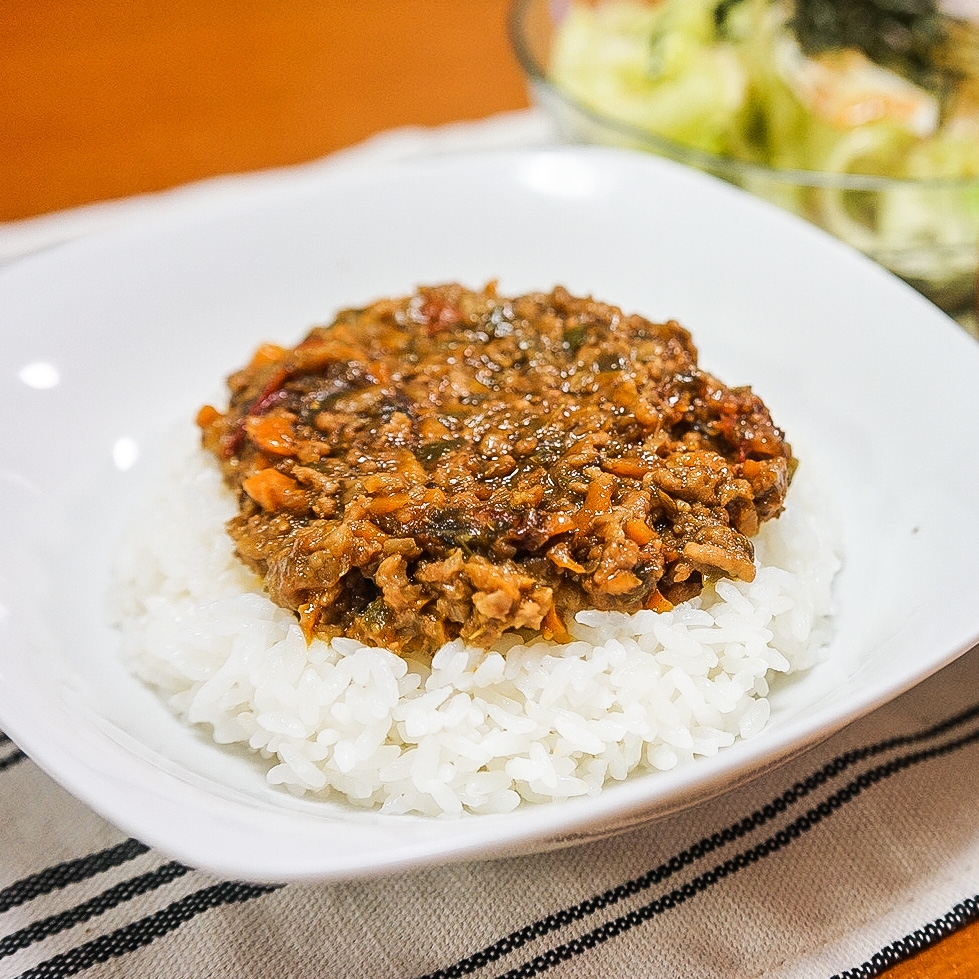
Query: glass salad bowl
(884, 158)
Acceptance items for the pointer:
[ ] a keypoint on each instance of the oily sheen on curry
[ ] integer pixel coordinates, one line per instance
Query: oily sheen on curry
(455, 464)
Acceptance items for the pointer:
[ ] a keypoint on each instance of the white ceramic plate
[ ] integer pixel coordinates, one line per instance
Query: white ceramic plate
(109, 341)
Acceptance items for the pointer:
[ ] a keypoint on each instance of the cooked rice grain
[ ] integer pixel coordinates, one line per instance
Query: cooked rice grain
(472, 732)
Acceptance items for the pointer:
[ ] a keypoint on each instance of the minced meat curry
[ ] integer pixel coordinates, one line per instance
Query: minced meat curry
(458, 464)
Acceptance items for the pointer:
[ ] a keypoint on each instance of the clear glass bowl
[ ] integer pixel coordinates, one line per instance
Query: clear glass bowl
(941, 265)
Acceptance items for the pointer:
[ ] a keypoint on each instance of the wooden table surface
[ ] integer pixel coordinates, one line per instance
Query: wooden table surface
(105, 98)
(101, 99)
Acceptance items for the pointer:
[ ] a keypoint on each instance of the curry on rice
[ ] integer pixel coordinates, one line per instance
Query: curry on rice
(457, 464)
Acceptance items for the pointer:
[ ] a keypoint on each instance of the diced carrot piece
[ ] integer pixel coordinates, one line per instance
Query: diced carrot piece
(431, 428)
(553, 628)
(625, 467)
(434, 496)
(411, 468)
(639, 531)
(273, 433)
(558, 523)
(387, 504)
(308, 617)
(267, 353)
(382, 483)
(273, 490)
(656, 602)
(207, 416)
(598, 498)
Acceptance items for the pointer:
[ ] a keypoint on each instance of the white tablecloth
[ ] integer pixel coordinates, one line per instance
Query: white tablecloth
(848, 858)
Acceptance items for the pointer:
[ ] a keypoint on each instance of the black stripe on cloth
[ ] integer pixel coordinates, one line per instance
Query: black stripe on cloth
(964, 913)
(779, 805)
(746, 858)
(140, 933)
(70, 872)
(112, 897)
(15, 756)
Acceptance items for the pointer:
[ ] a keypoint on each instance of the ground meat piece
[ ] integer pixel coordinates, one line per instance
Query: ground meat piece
(458, 464)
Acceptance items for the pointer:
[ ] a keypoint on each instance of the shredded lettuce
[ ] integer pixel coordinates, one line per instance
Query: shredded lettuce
(731, 77)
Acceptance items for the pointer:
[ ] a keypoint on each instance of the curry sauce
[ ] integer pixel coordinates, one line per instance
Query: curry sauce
(457, 464)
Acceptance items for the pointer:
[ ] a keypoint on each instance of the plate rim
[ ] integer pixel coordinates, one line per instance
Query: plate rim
(818, 726)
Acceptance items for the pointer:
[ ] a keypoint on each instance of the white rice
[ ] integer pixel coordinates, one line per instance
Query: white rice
(475, 732)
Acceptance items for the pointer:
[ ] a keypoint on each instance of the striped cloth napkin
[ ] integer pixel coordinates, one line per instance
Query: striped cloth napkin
(839, 863)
